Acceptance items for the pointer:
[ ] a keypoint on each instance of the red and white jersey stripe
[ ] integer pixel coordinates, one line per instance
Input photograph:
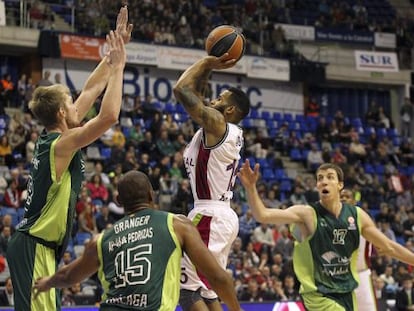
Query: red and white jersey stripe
(212, 170)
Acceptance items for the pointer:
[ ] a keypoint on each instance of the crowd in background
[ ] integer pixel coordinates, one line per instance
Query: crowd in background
(151, 139)
(187, 23)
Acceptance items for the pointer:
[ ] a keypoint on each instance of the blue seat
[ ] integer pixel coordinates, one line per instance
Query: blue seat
(170, 108)
(268, 174)
(266, 115)
(286, 186)
(106, 152)
(295, 154)
(369, 168)
(254, 114)
(287, 117)
(280, 174)
(263, 163)
(81, 237)
(277, 116)
(356, 122)
(380, 169)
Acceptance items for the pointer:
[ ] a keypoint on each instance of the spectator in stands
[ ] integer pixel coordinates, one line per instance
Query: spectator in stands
(5, 236)
(409, 226)
(7, 294)
(405, 297)
(276, 291)
(263, 238)
(247, 224)
(30, 146)
(97, 189)
(252, 293)
(289, 288)
(298, 196)
(380, 293)
(87, 221)
(136, 135)
(104, 218)
(183, 199)
(21, 91)
(13, 196)
(187, 128)
(406, 114)
(357, 151)
(314, 158)
(58, 78)
(270, 199)
(383, 120)
(165, 146)
(284, 244)
(322, 129)
(66, 259)
(7, 90)
(45, 81)
(371, 116)
(312, 108)
(236, 255)
(130, 161)
(128, 106)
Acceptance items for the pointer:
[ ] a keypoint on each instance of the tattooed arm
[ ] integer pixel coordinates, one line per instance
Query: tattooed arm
(190, 88)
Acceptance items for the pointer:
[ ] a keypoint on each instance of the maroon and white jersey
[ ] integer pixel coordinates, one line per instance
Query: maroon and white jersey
(212, 170)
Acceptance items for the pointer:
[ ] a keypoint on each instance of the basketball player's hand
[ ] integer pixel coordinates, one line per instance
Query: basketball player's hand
(248, 177)
(40, 286)
(213, 62)
(116, 54)
(122, 27)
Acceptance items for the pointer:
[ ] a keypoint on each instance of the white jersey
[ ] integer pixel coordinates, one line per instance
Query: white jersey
(364, 253)
(212, 170)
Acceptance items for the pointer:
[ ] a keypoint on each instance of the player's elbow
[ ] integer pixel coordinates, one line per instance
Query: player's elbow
(220, 280)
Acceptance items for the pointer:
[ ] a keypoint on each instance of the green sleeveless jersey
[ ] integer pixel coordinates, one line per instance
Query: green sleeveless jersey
(326, 261)
(50, 203)
(140, 263)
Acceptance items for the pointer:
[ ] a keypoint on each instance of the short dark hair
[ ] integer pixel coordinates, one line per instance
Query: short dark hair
(134, 188)
(241, 101)
(336, 168)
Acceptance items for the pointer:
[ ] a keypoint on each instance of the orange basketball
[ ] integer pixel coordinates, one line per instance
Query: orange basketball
(225, 39)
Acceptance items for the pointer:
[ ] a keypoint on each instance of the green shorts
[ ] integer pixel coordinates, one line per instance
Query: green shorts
(330, 302)
(29, 260)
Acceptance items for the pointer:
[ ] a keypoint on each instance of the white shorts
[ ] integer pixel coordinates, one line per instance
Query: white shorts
(365, 292)
(218, 225)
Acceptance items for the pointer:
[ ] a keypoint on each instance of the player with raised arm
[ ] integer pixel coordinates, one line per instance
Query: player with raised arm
(211, 160)
(327, 239)
(57, 169)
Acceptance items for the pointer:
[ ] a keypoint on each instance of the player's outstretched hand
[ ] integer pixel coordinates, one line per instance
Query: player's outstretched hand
(249, 177)
(40, 286)
(122, 27)
(221, 62)
(116, 54)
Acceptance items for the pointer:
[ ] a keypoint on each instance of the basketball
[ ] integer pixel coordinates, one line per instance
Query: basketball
(225, 39)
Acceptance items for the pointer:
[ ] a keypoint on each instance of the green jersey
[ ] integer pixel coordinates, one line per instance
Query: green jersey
(326, 261)
(50, 203)
(140, 263)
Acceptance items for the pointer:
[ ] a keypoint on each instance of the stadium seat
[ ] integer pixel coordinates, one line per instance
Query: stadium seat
(286, 186)
(268, 174)
(295, 154)
(81, 237)
(266, 115)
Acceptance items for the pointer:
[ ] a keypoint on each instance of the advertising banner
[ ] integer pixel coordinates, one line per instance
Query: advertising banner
(376, 61)
(344, 36)
(81, 47)
(139, 53)
(2, 14)
(295, 32)
(385, 40)
(268, 68)
(143, 81)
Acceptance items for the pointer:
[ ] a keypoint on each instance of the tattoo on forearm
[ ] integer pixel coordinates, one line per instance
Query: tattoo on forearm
(189, 99)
